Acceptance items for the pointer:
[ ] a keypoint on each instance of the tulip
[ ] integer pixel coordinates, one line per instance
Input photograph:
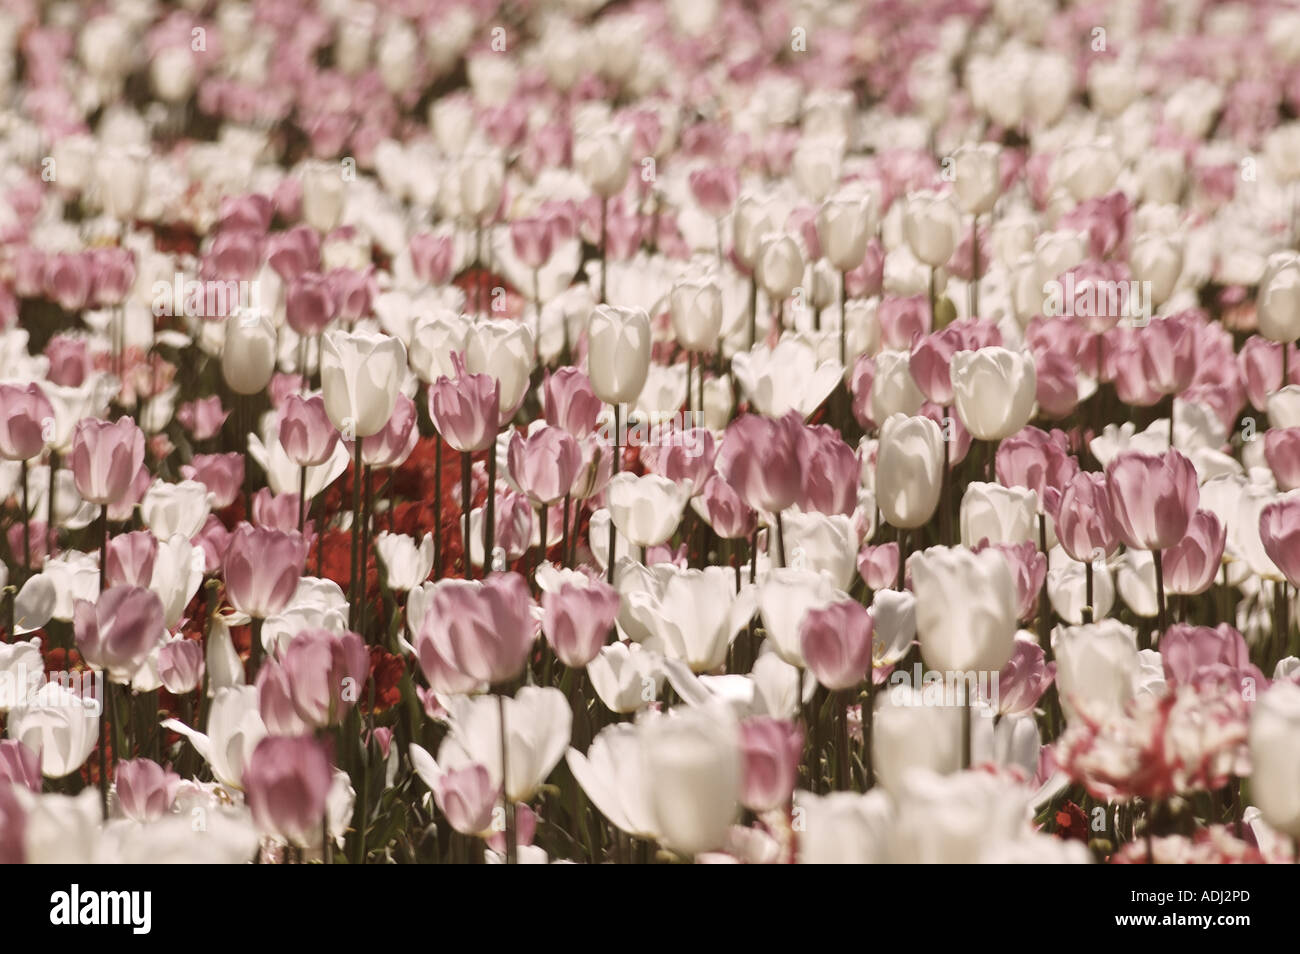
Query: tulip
(994, 390)
(836, 642)
(759, 458)
(998, 514)
(1278, 307)
(118, 632)
(323, 673)
(262, 568)
(465, 409)
(406, 564)
(441, 675)
(483, 629)
(695, 771)
(222, 476)
(1158, 260)
(248, 354)
(845, 224)
(304, 430)
(688, 615)
(790, 377)
(613, 775)
(1279, 532)
(829, 472)
(1190, 567)
(1152, 497)
(603, 162)
(779, 265)
(309, 304)
(910, 733)
(131, 558)
(931, 224)
(434, 339)
(106, 458)
(168, 509)
(544, 464)
(467, 797)
(1038, 461)
(977, 177)
(1095, 667)
(878, 566)
(180, 665)
(982, 638)
(145, 790)
(646, 510)
(286, 782)
(577, 619)
(695, 308)
(234, 730)
(1085, 523)
(909, 468)
(1028, 570)
(772, 749)
(396, 440)
(1275, 755)
(569, 402)
(814, 541)
(59, 724)
(26, 416)
(1024, 678)
(360, 377)
(721, 507)
(19, 766)
(504, 350)
(618, 357)
(1282, 451)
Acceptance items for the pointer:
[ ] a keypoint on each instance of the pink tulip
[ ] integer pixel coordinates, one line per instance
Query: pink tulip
(26, 416)
(1202, 656)
(483, 629)
(729, 516)
(131, 558)
(70, 361)
(1282, 451)
(394, 442)
(275, 511)
(287, 781)
(431, 257)
(309, 304)
(687, 455)
(466, 797)
(113, 275)
(860, 382)
(545, 463)
(1037, 461)
(532, 241)
(836, 643)
(442, 676)
(19, 765)
(1191, 566)
(1169, 353)
(569, 402)
(214, 538)
(1152, 496)
(1279, 531)
(306, 434)
(353, 292)
(1085, 523)
(251, 213)
(1024, 678)
(323, 673)
(930, 360)
(180, 665)
(771, 749)
(203, 417)
(878, 565)
(759, 458)
(902, 321)
(715, 188)
(262, 568)
(123, 508)
(69, 280)
(222, 474)
(145, 790)
(106, 458)
(465, 410)
(1057, 384)
(829, 472)
(13, 823)
(293, 252)
(1126, 369)
(1028, 569)
(577, 620)
(1260, 364)
(275, 702)
(234, 256)
(118, 632)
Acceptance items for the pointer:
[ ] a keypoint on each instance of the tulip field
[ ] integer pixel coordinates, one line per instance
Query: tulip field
(649, 432)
